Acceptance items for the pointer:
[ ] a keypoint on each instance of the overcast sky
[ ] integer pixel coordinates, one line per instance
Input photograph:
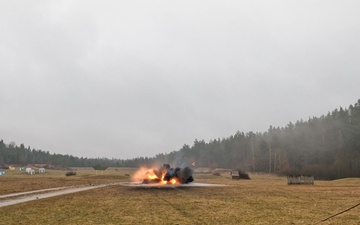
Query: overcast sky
(122, 79)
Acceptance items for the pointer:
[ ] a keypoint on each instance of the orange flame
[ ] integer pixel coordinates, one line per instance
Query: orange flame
(151, 176)
(173, 181)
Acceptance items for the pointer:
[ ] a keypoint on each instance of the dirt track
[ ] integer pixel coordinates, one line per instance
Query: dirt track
(16, 198)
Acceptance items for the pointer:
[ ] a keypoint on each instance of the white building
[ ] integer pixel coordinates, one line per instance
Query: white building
(42, 170)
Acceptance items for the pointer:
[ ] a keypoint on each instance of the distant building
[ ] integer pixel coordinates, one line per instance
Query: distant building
(2, 172)
(42, 170)
(12, 168)
(28, 169)
(235, 175)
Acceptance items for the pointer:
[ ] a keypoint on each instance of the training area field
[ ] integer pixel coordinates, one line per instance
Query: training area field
(265, 199)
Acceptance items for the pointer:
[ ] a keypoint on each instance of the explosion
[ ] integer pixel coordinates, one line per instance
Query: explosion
(164, 175)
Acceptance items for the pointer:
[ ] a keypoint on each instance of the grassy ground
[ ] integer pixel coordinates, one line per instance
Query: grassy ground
(20, 181)
(262, 200)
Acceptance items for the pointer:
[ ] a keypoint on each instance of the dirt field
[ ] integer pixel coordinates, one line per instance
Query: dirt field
(262, 200)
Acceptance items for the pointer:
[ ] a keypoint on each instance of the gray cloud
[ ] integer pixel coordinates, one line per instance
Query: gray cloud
(135, 78)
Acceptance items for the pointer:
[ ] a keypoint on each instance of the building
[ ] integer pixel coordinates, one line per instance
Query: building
(42, 170)
(12, 168)
(235, 175)
(28, 169)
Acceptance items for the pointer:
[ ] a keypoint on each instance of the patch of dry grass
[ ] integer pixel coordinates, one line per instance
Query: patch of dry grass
(18, 181)
(262, 200)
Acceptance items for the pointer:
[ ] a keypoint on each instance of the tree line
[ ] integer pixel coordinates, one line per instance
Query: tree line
(327, 147)
(20, 155)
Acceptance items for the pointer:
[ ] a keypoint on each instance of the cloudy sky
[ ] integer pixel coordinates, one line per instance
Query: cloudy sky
(122, 79)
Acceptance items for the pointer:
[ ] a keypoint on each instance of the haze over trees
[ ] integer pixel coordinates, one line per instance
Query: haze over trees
(327, 147)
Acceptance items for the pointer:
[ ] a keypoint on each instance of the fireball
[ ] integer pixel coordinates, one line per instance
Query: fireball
(164, 175)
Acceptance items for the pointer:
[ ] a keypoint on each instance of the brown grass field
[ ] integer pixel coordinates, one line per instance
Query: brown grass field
(265, 199)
